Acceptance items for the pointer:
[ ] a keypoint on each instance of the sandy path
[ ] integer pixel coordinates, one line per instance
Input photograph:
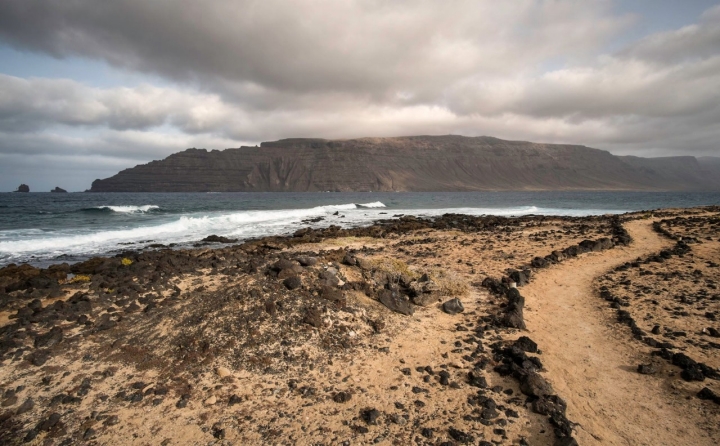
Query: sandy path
(591, 361)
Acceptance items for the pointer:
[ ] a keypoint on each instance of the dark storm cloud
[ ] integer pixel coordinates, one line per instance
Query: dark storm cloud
(365, 47)
(246, 71)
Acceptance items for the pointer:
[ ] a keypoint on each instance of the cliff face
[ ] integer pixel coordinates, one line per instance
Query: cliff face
(416, 163)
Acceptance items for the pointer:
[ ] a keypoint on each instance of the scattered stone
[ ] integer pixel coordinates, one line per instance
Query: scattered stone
(396, 302)
(292, 283)
(453, 306)
(647, 369)
(112, 420)
(27, 406)
(460, 436)
(223, 372)
(532, 384)
(342, 397)
(526, 344)
(370, 416)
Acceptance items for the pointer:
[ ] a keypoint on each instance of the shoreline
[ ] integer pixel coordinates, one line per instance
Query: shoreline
(331, 334)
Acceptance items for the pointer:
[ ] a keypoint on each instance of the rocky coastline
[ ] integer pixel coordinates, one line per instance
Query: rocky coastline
(408, 331)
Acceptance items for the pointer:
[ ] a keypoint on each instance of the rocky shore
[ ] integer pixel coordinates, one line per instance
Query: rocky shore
(409, 331)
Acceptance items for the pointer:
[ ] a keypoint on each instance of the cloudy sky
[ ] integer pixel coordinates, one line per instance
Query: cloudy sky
(91, 87)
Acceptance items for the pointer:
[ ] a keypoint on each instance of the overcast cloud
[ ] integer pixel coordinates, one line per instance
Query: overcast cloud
(240, 72)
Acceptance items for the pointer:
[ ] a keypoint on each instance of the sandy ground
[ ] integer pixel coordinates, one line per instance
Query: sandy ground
(228, 356)
(593, 362)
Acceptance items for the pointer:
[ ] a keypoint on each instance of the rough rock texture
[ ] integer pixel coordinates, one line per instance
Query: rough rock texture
(414, 163)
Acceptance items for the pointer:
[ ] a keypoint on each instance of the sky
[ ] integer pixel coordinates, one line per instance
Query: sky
(89, 88)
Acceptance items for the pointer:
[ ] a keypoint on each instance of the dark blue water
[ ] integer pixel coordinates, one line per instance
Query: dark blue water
(42, 228)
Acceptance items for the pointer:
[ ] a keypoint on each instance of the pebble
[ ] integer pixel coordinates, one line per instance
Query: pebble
(223, 372)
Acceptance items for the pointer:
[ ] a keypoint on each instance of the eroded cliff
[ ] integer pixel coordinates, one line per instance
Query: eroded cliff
(414, 163)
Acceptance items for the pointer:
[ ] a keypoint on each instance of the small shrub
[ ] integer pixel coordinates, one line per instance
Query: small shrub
(393, 266)
(80, 278)
(450, 283)
(126, 262)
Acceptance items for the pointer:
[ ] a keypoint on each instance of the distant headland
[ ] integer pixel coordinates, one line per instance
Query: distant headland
(412, 163)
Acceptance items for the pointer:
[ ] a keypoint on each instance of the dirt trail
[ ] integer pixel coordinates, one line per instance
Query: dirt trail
(591, 361)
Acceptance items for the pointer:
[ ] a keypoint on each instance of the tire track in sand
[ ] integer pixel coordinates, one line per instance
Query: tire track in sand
(591, 360)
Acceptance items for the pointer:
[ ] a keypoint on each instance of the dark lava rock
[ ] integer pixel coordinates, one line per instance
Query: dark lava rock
(50, 338)
(532, 384)
(39, 357)
(49, 422)
(444, 378)
(692, 374)
(313, 317)
(460, 436)
(218, 432)
(646, 369)
(27, 406)
(292, 283)
(307, 261)
(396, 302)
(333, 295)
(370, 416)
(427, 432)
(565, 441)
(234, 399)
(683, 361)
(477, 380)
(489, 413)
(453, 306)
(708, 394)
(218, 239)
(112, 420)
(525, 344)
(342, 397)
(519, 277)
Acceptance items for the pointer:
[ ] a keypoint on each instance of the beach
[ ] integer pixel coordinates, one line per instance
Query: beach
(446, 329)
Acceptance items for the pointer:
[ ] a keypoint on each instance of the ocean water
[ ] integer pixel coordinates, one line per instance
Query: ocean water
(46, 228)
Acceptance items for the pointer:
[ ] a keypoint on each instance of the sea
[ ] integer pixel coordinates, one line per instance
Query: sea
(46, 228)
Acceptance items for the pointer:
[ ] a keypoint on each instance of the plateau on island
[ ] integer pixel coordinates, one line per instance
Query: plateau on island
(412, 163)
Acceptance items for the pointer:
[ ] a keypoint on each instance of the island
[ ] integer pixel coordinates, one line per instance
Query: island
(412, 163)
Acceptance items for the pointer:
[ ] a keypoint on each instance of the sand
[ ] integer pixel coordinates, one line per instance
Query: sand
(297, 368)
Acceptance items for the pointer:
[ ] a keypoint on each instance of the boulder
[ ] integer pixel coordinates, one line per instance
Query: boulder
(396, 302)
(453, 306)
(307, 260)
(292, 282)
(23, 188)
(532, 384)
(424, 292)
